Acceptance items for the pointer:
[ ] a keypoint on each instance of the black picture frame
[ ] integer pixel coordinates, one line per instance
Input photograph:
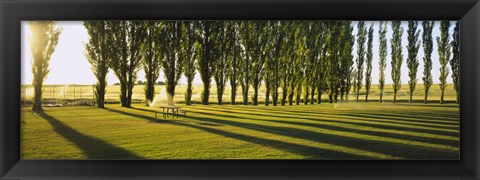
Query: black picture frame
(12, 12)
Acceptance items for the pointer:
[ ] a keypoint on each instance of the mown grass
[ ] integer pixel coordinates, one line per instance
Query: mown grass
(321, 131)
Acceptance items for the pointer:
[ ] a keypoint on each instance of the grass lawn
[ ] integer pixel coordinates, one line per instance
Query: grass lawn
(349, 131)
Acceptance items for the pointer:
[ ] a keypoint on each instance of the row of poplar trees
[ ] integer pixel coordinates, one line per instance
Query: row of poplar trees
(300, 58)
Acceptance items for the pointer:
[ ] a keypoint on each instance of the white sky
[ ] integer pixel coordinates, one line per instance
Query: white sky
(68, 64)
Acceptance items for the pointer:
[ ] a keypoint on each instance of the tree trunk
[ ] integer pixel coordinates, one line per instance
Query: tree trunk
(255, 92)
(284, 95)
(441, 97)
(37, 104)
(123, 93)
(319, 94)
(100, 95)
(410, 100)
(149, 91)
(426, 96)
(394, 96)
(275, 96)
(307, 95)
(381, 96)
(233, 93)
(245, 95)
(130, 91)
(312, 96)
(220, 94)
(188, 95)
(205, 93)
(290, 98)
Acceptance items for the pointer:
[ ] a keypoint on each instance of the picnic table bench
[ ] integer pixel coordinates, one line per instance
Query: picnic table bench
(175, 111)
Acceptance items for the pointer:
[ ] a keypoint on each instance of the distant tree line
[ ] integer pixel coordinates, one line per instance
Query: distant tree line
(300, 58)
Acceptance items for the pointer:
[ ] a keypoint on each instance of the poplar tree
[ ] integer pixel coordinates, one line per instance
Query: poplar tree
(189, 56)
(151, 54)
(233, 70)
(220, 57)
(172, 63)
(455, 61)
(368, 74)
(205, 59)
(397, 57)
(444, 52)
(97, 54)
(128, 36)
(427, 57)
(298, 78)
(313, 44)
(288, 56)
(412, 60)
(382, 63)
(347, 41)
(274, 72)
(332, 61)
(361, 38)
(44, 40)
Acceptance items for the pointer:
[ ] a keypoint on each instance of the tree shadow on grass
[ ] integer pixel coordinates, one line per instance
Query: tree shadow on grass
(406, 114)
(381, 126)
(387, 148)
(93, 148)
(406, 137)
(150, 119)
(311, 152)
(397, 120)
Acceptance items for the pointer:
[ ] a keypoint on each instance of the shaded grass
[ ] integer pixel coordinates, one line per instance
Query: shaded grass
(350, 131)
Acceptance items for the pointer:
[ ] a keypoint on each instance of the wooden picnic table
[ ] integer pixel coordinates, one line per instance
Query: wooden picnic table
(173, 108)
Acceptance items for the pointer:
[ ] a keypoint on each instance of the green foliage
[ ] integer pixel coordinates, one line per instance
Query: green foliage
(233, 58)
(368, 74)
(221, 55)
(397, 56)
(427, 58)
(206, 31)
(43, 41)
(444, 52)
(98, 56)
(382, 63)
(455, 61)
(332, 59)
(412, 60)
(188, 54)
(128, 37)
(347, 41)
(172, 61)
(152, 55)
(361, 39)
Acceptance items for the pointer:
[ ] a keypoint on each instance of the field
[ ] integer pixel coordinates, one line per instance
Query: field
(321, 131)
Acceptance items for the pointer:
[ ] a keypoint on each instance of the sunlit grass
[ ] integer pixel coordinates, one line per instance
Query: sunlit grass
(349, 131)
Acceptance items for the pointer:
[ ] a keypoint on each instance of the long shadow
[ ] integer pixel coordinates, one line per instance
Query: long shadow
(390, 118)
(391, 127)
(150, 119)
(390, 148)
(294, 112)
(437, 117)
(313, 152)
(370, 119)
(453, 143)
(93, 148)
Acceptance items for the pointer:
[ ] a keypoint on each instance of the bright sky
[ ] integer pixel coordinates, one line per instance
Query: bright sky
(68, 64)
